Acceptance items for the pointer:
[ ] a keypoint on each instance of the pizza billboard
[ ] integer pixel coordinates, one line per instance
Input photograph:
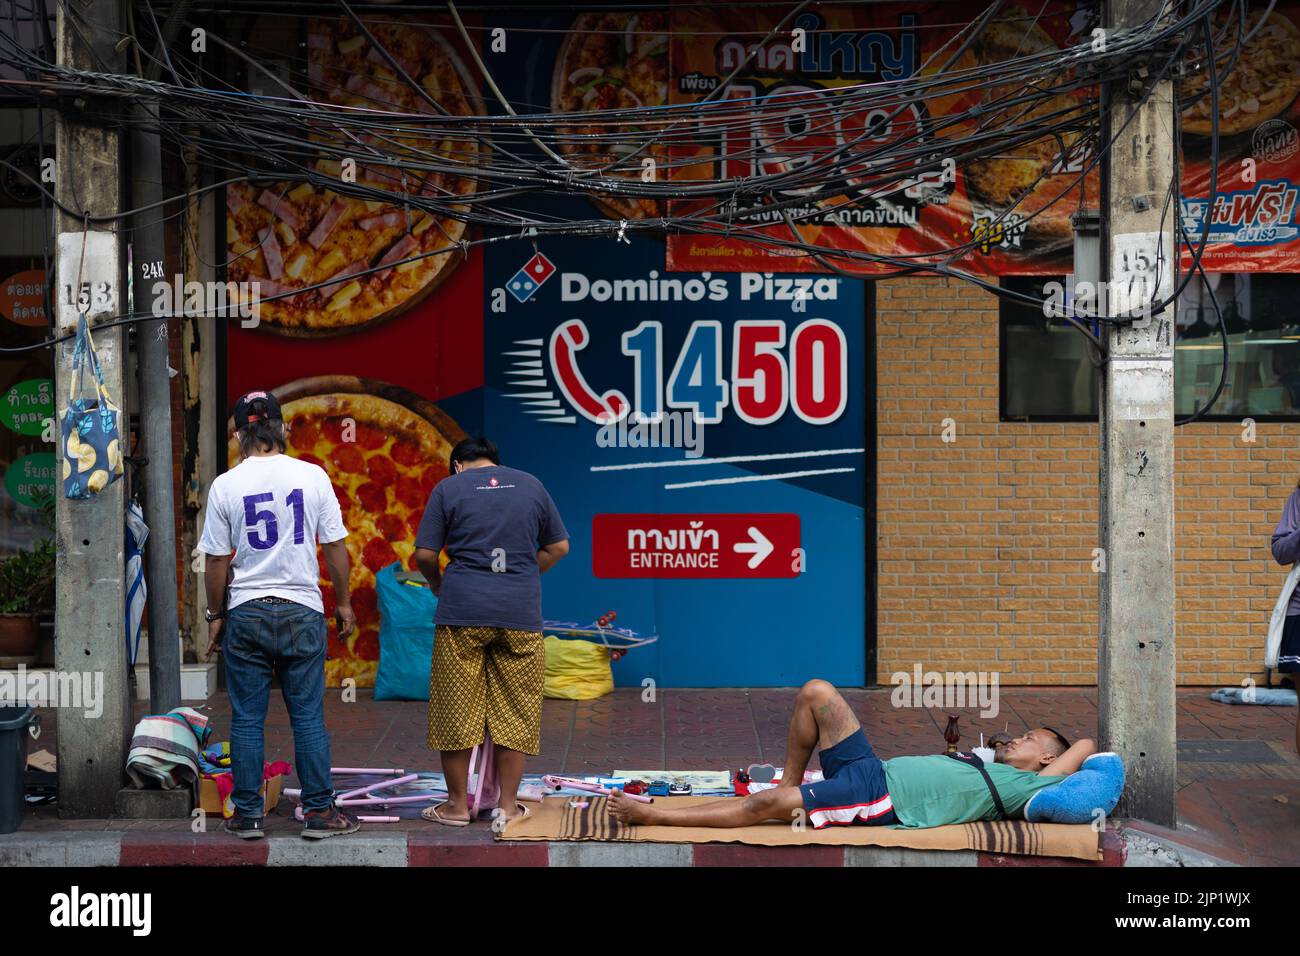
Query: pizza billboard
(724, 510)
(1254, 222)
(531, 342)
(753, 565)
(1007, 213)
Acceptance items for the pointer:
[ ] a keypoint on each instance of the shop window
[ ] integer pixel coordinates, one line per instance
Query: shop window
(27, 461)
(1047, 375)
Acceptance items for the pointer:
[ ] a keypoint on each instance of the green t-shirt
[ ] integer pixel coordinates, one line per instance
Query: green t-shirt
(937, 790)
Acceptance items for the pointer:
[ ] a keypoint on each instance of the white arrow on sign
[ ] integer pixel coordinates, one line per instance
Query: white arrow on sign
(760, 547)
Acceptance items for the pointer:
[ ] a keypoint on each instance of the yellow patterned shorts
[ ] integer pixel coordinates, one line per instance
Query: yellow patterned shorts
(486, 677)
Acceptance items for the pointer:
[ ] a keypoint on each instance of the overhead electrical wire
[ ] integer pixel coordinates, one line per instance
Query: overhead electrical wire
(477, 167)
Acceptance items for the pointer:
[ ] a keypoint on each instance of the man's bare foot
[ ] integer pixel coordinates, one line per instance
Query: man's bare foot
(627, 811)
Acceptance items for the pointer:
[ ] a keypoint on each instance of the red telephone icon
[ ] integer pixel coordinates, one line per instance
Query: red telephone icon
(567, 340)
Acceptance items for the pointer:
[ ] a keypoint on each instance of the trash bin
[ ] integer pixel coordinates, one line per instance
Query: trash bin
(14, 723)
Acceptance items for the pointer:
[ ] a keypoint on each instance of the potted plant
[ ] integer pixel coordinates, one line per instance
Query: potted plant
(26, 592)
(26, 589)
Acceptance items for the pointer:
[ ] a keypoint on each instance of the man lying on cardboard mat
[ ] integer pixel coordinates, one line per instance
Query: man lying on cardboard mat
(861, 788)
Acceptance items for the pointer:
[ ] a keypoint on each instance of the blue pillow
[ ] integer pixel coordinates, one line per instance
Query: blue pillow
(1096, 785)
(405, 637)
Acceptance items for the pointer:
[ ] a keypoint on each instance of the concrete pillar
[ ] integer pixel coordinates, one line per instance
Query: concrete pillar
(89, 599)
(1135, 648)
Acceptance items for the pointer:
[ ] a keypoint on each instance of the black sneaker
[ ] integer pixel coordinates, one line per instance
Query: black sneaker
(246, 828)
(319, 824)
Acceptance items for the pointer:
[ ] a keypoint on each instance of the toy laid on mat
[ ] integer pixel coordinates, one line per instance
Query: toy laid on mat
(483, 787)
(573, 783)
(1095, 786)
(578, 656)
(375, 794)
(619, 640)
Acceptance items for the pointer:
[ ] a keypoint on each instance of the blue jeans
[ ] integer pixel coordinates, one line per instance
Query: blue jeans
(288, 640)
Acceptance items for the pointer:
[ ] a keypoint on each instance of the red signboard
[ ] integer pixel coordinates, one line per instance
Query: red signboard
(696, 546)
(22, 298)
(1006, 212)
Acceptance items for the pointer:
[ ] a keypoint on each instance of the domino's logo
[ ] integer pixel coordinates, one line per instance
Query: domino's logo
(529, 279)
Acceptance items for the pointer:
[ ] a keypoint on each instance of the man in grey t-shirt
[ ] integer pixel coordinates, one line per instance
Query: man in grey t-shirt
(500, 530)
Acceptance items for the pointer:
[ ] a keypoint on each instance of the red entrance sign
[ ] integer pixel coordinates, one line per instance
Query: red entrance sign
(696, 546)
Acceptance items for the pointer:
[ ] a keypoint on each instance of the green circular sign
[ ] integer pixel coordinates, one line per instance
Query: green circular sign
(27, 405)
(30, 475)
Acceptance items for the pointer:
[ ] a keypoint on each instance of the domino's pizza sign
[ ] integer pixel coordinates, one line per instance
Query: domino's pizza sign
(529, 279)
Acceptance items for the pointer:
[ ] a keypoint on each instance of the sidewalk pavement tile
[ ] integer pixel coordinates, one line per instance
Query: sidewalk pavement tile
(1236, 806)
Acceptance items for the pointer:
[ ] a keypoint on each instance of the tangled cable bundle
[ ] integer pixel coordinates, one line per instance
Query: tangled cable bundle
(486, 162)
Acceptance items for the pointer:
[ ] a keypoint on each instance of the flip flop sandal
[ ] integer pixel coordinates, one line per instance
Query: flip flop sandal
(431, 814)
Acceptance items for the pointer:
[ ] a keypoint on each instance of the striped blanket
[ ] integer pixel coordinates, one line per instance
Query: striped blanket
(165, 749)
(555, 820)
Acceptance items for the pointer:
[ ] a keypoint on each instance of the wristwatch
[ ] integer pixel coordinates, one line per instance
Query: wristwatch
(209, 616)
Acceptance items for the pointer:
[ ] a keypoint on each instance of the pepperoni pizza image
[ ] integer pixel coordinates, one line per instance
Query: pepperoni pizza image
(384, 450)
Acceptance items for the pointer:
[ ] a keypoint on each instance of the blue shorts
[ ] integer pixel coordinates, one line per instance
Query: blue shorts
(855, 789)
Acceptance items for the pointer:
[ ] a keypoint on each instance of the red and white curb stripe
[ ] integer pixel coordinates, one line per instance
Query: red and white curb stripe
(153, 848)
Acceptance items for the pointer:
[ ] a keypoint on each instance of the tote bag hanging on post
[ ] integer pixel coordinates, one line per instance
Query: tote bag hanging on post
(92, 426)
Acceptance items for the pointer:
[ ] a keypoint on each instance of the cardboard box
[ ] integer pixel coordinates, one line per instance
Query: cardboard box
(210, 802)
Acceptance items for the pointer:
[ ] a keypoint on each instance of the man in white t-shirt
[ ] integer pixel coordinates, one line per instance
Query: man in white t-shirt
(270, 510)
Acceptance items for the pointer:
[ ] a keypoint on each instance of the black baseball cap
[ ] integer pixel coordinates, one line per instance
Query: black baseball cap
(255, 407)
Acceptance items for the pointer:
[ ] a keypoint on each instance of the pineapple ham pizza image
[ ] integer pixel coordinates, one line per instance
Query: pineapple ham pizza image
(384, 450)
(362, 260)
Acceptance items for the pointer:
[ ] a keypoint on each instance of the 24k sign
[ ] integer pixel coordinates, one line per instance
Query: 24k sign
(696, 546)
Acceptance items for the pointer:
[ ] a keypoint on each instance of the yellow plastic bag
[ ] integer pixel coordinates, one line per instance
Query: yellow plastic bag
(576, 670)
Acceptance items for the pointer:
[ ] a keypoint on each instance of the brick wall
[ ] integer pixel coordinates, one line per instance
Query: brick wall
(985, 543)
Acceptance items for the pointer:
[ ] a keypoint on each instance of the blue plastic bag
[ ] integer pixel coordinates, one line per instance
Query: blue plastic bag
(405, 637)
(92, 427)
(1272, 696)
